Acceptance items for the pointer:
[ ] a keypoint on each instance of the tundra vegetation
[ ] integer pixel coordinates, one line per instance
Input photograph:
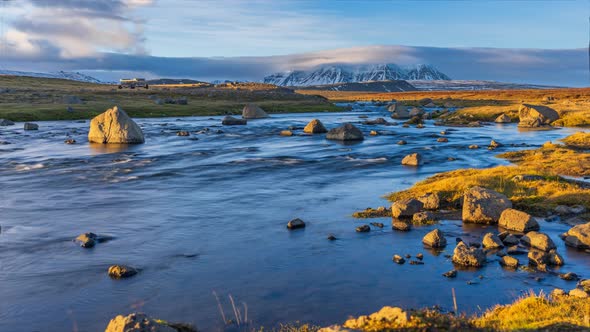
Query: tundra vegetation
(38, 99)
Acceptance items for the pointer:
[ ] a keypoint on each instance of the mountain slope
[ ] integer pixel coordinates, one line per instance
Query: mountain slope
(334, 74)
(72, 76)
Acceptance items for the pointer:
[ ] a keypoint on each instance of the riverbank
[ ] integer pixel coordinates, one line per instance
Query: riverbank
(572, 104)
(46, 99)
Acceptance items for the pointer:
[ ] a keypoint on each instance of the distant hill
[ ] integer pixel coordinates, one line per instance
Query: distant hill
(160, 81)
(335, 74)
(72, 76)
(377, 86)
(439, 85)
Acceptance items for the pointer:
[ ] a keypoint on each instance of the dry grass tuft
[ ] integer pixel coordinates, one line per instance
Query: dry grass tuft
(580, 140)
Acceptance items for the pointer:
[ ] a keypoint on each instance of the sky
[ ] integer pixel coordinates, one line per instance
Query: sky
(543, 42)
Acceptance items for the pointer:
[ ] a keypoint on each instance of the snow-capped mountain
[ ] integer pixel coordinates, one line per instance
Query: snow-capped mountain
(73, 76)
(334, 74)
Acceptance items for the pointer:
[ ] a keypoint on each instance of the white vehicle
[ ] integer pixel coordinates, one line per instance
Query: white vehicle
(133, 83)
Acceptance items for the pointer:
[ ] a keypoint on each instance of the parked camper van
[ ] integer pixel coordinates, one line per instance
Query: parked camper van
(133, 83)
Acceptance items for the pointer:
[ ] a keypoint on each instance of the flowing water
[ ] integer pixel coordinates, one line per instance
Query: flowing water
(208, 213)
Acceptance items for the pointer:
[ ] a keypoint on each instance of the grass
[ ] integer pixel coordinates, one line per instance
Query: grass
(537, 197)
(531, 312)
(37, 99)
(573, 104)
(580, 140)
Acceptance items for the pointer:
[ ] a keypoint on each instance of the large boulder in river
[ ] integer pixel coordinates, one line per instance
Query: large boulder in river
(346, 132)
(483, 206)
(315, 126)
(231, 121)
(519, 221)
(138, 322)
(578, 236)
(31, 126)
(503, 118)
(405, 208)
(468, 256)
(532, 116)
(114, 126)
(252, 111)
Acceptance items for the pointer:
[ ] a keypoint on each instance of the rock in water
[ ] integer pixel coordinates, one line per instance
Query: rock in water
(431, 201)
(532, 116)
(346, 132)
(405, 208)
(578, 236)
(399, 225)
(31, 126)
(503, 119)
(252, 111)
(315, 126)
(538, 240)
(114, 126)
(399, 111)
(483, 206)
(414, 159)
(4, 122)
(137, 322)
(86, 240)
(231, 121)
(509, 261)
(295, 223)
(468, 256)
(121, 271)
(519, 221)
(435, 239)
(491, 241)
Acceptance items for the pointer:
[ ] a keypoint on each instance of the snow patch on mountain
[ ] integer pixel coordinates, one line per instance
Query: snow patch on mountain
(72, 76)
(334, 74)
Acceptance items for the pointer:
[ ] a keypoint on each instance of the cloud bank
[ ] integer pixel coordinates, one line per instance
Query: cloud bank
(552, 67)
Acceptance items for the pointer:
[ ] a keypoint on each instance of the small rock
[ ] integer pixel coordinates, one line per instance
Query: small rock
(491, 241)
(295, 223)
(467, 256)
(503, 118)
(346, 132)
(435, 239)
(363, 229)
(509, 261)
(86, 240)
(400, 225)
(442, 140)
(5, 122)
(569, 276)
(538, 240)
(286, 133)
(398, 259)
(431, 201)
(516, 220)
(557, 292)
(481, 205)
(377, 224)
(31, 126)
(414, 159)
(402, 142)
(70, 141)
(511, 240)
(420, 256)
(373, 133)
(450, 274)
(332, 237)
(183, 133)
(139, 322)
(406, 208)
(416, 263)
(121, 271)
(423, 217)
(474, 146)
(231, 121)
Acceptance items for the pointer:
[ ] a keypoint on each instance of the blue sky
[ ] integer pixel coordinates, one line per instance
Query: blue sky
(285, 27)
(522, 41)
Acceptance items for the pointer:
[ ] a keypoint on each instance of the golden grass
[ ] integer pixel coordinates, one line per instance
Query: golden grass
(579, 140)
(532, 312)
(535, 196)
(573, 105)
(535, 312)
